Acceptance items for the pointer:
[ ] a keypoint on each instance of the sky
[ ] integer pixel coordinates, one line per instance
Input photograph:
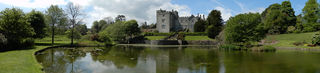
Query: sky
(145, 10)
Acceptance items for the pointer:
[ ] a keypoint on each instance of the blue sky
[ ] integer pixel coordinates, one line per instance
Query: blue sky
(144, 10)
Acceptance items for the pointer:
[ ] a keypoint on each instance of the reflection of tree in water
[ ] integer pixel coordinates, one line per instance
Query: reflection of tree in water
(120, 56)
(71, 55)
(53, 61)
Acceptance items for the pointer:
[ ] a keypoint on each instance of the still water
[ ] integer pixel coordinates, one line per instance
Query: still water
(175, 59)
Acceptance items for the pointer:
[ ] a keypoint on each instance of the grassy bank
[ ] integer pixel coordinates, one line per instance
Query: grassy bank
(186, 38)
(288, 40)
(24, 61)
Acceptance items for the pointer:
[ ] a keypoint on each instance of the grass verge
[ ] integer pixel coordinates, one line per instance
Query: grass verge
(288, 40)
(24, 61)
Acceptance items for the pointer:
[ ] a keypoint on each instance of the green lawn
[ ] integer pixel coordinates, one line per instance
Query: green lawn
(197, 38)
(186, 38)
(20, 61)
(287, 40)
(155, 37)
(24, 61)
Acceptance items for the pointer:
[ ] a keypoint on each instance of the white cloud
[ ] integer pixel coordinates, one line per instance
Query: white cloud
(33, 3)
(140, 10)
(225, 12)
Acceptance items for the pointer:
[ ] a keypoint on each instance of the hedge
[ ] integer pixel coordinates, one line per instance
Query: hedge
(171, 33)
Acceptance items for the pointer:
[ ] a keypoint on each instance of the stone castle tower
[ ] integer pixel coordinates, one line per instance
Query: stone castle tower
(169, 21)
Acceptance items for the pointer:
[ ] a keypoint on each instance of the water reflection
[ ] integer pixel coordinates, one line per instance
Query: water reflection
(129, 59)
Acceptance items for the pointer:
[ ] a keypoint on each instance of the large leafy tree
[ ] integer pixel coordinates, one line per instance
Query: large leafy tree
(37, 21)
(14, 25)
(243, 28)
(99, 25)
(310, 15)
(200, 26)
(288, 15)
(277, 18)
(215, 23)
(82, 29)
(55, 15)
(121, 31)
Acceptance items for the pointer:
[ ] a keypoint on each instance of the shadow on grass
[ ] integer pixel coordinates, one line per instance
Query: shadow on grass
(5, 49)
(14, 48)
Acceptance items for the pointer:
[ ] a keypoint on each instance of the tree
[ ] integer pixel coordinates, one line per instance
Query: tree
(288, 15)
(74, 35)
(277, 18)
(200, 26)
(103, 24)
(215, 22)
(82, 29)
(14, 26)
(95, 27)
(272, 20)
(299, 25)
(121, 31)
(74, 14)
(37, 21)
(310, 15)
(244, 28)
(54, 15)
(120, 18)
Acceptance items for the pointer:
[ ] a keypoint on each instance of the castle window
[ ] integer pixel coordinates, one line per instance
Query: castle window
(163, 20)
(163, 15)
(163, 26)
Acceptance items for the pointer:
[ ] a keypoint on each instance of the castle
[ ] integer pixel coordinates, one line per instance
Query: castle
(169, 21)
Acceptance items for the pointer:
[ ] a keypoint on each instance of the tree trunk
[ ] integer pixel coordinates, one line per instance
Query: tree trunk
(52, 35)
(72, 33)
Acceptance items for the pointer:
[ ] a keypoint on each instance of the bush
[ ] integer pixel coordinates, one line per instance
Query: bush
(94, 37)
(316, 39)
(3, 39)
(291, 29)
(244, 28)
(181, 36)
(171, 33)
(29, 42)
(106, 39)
(213, 31)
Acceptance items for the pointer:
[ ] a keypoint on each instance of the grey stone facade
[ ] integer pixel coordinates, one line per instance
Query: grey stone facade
(169, 21)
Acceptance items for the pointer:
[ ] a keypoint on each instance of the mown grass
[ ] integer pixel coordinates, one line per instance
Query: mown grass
(186, 38)
(20, 61)
(24, 61)
(287, 40)
(197, 38)
(155, 37)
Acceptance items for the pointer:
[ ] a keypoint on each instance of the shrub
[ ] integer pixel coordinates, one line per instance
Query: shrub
(28, 42)
(181, 36)
(291, 29)
(3, 39)
(171, 33)
(244, 28)
(94, 37)
(316, 39)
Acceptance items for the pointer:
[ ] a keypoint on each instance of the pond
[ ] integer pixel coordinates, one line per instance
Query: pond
(175, 59)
